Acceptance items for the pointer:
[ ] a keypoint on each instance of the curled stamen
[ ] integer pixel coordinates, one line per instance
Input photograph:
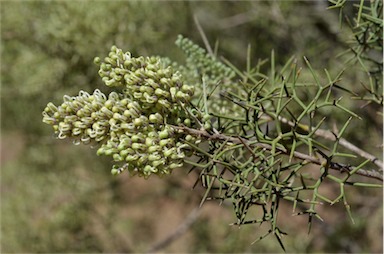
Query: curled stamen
(67, 98)
(62, 135)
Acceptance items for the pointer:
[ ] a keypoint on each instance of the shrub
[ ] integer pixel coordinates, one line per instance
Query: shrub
(256, 138)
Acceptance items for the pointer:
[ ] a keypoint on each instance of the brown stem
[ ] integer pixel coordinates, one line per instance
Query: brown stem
(331, 136)
(180, 230)
(238, 140)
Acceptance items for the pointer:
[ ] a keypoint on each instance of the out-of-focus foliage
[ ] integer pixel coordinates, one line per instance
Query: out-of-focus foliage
(58, 198)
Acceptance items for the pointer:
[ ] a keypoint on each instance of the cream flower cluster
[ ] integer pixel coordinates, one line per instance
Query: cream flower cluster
(133, 124)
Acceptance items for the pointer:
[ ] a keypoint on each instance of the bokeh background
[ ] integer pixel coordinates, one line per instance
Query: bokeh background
(57, 197)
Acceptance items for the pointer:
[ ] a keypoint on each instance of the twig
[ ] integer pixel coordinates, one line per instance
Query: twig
(238, 140)
(237, 19)
(203, 36)
(331, 136)
(180, 230)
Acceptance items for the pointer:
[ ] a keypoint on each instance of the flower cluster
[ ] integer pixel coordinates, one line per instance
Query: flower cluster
(133, 125)
(205, 63)
(146, 80)
(217, 76)
(84, 118)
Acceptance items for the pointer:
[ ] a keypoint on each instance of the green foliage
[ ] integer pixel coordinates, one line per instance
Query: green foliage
(260, 160)
(365, 46)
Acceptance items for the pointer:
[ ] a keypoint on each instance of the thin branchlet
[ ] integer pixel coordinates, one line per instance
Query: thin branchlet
(306, 158)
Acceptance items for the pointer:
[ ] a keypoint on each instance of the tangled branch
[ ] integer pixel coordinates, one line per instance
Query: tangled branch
(239, 140)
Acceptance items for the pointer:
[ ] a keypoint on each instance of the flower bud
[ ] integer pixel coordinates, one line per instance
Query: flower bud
(51, 107)
(176, 156)
(49, 120)
(165, 142)
(138, 146)
(169, 152)
(64, 126)
(163, 134)
(105, 67)
(138, 122)
(129, 126)
(155, 118)
(149, 169)
(117, 157)
(137, 138)
(164, 104)
(207, 126)
(157, 163)
(112, 121)
(134, 105)
(116, 171)
(149, 142)
(91, 133)
(146, 89)
(131, 158)
(154, 157)
(56, 115)
(154, 148)
(161, 92)
(188, 138)
(150, 99)
(97, 60)
(116, 116)
(207, 117)
(181, 95)
(104, 110)
(188, 89)
(142, 160)
(152, 83)
(76, 131)
(175, 165)
(123, 153)
(187, 122)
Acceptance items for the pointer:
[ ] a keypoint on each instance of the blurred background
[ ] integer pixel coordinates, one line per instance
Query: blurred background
(57, 197)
